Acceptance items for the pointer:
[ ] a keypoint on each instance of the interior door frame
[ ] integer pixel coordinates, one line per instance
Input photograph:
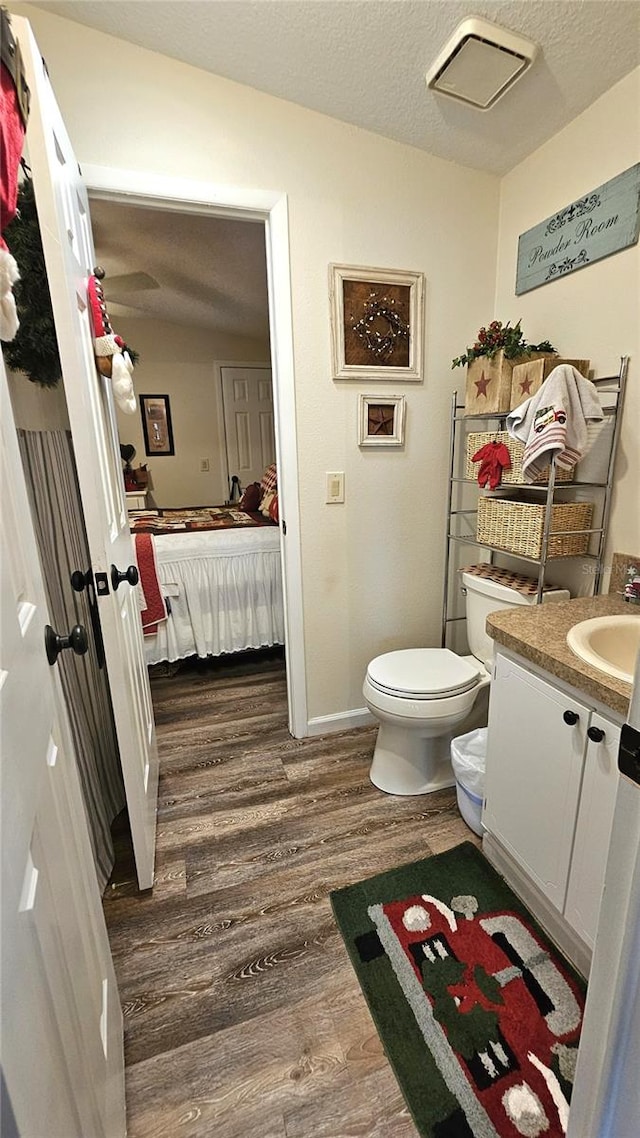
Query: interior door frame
(184, 195)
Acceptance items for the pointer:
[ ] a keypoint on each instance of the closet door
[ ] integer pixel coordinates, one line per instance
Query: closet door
(247, 395)
(69, 255)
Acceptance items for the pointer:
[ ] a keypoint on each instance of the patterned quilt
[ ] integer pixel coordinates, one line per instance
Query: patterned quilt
(193, 519)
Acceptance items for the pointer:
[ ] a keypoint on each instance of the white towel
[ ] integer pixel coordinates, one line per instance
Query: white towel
(553, 422)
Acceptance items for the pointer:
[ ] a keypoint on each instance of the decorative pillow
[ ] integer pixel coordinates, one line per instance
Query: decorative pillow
(265, 504)
(270, 480)
(251, 498)
(273, 509)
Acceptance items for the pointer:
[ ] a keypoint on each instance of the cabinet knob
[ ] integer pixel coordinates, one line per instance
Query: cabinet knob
(596, 734)
(571, 717)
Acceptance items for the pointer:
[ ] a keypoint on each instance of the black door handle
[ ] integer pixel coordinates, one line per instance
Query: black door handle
(77, 640)
(571, 717)
(80, 580)
(596, 734)
(130, 575)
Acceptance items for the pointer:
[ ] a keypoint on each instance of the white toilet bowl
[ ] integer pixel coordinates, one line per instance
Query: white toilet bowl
(420, 696)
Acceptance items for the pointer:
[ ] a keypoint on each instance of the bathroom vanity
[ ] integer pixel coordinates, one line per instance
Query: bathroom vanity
(551, 779)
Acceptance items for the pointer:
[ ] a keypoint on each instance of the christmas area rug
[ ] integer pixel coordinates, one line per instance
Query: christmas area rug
(478, 1014)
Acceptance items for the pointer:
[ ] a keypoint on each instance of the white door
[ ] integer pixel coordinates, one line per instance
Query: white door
(62, 1053)
(68, 247)
(247, 396)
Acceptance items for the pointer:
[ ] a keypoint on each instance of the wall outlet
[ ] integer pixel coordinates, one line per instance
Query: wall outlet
(204, 465)
(335, 486)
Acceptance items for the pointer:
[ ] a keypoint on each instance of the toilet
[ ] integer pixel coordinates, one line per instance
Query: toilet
(422, 696)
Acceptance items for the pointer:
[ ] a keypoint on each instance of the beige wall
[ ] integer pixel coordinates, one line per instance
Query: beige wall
(179, 361)
(372, 568)
(594, 312)
(37, 408)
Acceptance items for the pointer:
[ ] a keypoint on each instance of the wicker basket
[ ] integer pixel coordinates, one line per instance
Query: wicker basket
(513, 476)
(516, 526)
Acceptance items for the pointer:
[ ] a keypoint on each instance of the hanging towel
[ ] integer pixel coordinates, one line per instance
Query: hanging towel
(156, 609)
(553, 422)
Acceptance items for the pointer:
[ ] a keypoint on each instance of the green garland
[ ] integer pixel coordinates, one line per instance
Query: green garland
(34, 349)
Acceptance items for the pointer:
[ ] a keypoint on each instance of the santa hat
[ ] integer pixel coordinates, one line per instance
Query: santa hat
(112, 358)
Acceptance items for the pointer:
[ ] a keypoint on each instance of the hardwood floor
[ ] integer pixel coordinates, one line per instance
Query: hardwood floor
(243, 1016)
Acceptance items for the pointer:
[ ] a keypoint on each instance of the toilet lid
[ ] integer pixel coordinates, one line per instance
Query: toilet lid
(422, 672)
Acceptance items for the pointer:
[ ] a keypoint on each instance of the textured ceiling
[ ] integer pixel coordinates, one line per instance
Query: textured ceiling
(361, 61)
(364, 61)
(212, 272)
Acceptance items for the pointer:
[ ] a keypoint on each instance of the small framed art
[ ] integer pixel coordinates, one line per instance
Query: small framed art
(377, 323)
(156, 425)
(381, 420)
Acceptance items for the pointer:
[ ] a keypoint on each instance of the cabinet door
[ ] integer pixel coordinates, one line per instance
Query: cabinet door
(534, 767)
(593, 829)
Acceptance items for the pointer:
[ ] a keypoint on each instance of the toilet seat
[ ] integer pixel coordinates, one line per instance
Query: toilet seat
(423, 674)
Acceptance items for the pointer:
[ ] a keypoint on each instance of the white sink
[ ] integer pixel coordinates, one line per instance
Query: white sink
(609, 643)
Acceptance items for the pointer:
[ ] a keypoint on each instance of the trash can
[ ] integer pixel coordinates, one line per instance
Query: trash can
(468, 759)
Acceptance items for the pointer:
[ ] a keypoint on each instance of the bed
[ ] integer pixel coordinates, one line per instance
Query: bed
(219, 571)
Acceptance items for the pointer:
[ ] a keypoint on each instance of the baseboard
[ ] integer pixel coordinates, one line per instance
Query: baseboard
(551, 920)
(341, 721)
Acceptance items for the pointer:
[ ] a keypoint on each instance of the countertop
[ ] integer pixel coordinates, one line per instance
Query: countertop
(538, 633)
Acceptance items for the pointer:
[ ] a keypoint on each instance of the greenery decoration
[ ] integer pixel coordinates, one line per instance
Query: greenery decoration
(34, 349)
(490, 340)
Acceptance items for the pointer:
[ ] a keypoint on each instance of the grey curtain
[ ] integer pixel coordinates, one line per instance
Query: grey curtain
(52, 482)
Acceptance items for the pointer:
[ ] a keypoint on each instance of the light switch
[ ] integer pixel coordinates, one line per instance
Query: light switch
(204, 465)
(335, 486)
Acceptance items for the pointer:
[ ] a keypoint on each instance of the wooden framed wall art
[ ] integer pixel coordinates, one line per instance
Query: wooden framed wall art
(377, 323)
(156, 425)
(381, 420)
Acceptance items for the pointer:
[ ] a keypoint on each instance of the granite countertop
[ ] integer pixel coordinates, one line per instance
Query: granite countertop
(539, 634)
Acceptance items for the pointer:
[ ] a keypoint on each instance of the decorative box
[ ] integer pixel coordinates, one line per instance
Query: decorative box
(489, 382)
(528, 377)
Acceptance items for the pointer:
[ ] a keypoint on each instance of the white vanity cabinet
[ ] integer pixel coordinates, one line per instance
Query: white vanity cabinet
(550, 791)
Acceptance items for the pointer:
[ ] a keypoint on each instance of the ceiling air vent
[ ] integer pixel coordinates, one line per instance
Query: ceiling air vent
(480, 62)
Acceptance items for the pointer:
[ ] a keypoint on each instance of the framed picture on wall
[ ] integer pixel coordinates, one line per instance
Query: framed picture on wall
(377, 323)
(156, 425)
(381, 420)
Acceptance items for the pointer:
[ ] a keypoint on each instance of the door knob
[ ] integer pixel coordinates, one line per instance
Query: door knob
(596, 734)
(77, 640)
(571, 717)
(80, 580)
(130, 575)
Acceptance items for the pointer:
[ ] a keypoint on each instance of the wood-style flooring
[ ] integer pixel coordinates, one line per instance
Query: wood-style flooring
(243, 1016)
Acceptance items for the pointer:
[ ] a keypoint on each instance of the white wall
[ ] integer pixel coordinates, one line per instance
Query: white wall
(372, 568)
(593, 313)
(179, 361)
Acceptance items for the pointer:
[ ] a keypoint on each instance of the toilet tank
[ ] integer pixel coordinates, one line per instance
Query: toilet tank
(484, 596)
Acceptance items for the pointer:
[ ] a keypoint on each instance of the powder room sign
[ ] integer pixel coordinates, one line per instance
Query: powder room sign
(597, 225)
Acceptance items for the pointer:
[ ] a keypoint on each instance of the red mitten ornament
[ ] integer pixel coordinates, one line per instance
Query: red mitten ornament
(493, 458)
(112, 357)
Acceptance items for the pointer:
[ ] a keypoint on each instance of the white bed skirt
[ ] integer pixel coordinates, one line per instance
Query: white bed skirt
(222, 601)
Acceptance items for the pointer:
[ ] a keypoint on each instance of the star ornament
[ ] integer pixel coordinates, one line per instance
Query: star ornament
(525, 386)
(483, 383)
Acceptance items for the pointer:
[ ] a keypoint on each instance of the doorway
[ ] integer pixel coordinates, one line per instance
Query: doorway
(179, 198)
